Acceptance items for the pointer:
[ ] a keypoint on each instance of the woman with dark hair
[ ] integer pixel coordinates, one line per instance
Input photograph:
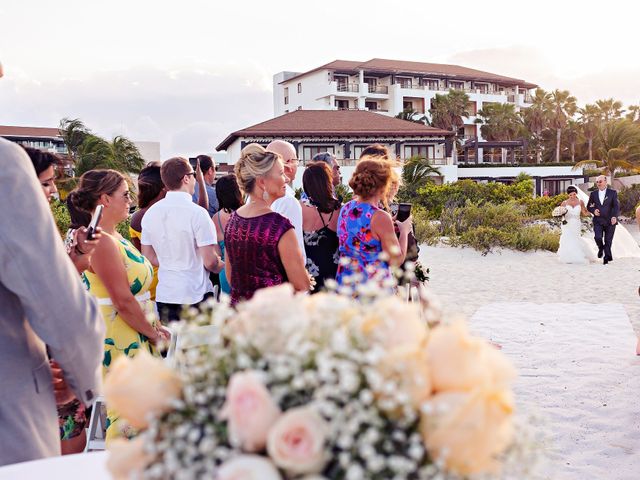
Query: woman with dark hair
(320, 223)
(229, 200)
(573, 248)
(119, 276)
(150, 190)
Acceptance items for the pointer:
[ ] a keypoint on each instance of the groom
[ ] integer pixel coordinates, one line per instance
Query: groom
(603, 204)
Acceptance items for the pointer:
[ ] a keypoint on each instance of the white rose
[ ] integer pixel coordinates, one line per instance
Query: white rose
(127, 458)
(296, 443)
(248, 467)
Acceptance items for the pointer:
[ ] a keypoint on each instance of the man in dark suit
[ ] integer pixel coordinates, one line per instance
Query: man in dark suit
(603, 204)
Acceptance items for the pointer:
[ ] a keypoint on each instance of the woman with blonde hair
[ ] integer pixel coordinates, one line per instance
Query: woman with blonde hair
(365, 230)
(261, 246)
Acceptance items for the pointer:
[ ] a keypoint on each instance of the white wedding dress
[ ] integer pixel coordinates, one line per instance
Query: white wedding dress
(573, 247)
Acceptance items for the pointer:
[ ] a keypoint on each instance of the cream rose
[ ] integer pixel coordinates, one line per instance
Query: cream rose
(248, 467)
(139, 386)
(296, 441)
(407, 366)
(469, 429)
(249, 410)
(394, 323)
(127, 458)
(459, 361)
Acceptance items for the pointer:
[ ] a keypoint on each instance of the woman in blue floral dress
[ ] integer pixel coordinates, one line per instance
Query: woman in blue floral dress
(368, 243)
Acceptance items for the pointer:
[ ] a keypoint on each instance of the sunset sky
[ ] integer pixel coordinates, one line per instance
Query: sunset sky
(188, 73)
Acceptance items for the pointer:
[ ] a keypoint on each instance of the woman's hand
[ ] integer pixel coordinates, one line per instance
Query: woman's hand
(61, 390)
(161, 334)
(406, 226)
(84, 246)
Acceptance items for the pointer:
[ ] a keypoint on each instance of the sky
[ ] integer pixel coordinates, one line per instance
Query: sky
(188, 73)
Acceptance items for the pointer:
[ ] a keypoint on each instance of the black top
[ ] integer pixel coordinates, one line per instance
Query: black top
(321, 247)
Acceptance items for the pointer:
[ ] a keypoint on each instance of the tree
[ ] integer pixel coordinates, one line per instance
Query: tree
(634, 113)
(610, 109)
(589, 120)
(562, 106)
(412, 116)
(416, 173)
(536, 118)
(73, 132)
(499, 122)
(618, 148)
(573, 134)
(449, 110)
(121, 154)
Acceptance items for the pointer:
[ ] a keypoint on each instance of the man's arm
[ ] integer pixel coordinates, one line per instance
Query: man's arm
(36, 269)
(615, 206)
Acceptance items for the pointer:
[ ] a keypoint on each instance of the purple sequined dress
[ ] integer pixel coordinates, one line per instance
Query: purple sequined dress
(251, 246)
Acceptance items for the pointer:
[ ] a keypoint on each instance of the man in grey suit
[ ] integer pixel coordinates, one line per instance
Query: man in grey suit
(42, 302)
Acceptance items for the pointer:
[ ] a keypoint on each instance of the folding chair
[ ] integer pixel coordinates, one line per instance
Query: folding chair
(97, 430)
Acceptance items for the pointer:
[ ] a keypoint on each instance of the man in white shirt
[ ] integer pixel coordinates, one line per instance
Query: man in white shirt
(179, 237)
(288, 206)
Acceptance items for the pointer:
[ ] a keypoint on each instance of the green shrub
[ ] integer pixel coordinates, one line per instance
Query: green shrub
(343, 192)
(541, 207)
(535, 237)
(123, 228)
(484, 239)
(425, 230)
(61, 216)
(629, 198)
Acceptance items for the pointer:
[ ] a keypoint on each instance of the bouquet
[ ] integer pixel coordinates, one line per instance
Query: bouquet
(311, 387)
(559, 213)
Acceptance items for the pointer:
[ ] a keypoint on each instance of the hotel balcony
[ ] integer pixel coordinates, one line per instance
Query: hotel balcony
(344, 89)
(377, 90)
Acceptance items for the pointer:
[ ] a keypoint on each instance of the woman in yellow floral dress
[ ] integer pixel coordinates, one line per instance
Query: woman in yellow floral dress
(119, 277)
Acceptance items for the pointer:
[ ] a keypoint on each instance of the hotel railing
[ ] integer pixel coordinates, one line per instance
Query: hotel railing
(348, 87)
(378, 89)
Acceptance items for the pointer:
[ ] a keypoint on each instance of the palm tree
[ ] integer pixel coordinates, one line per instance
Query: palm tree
(73, 132)
(416, 173)
(610, 109)
(618, 148)
(412, 116)
(562, 107)
(447, 111)
(121, 154)
(590, 119)
(573, 134)
(536, 118)
(634, 113)
(499, 121)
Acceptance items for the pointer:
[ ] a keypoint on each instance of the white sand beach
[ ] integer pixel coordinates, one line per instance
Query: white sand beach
(569, 331)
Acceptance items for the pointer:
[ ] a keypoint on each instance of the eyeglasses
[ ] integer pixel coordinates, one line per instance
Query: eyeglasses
(191, 173)
(292, 161)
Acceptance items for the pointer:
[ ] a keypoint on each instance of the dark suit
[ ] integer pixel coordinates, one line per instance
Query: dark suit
(602, 227)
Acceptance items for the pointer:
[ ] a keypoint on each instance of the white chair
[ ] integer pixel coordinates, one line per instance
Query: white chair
(97, 431)
(194, 338)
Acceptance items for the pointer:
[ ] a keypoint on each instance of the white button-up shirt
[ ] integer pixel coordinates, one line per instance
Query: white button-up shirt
(601, 195)
(175, 227)
(289, 207)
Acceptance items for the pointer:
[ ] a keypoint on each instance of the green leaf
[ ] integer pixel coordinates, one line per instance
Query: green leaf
(107, 358)
(109, 341)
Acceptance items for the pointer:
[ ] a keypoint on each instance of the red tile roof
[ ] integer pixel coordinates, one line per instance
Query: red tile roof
(380, 65)
(9, 131)
(331, 123)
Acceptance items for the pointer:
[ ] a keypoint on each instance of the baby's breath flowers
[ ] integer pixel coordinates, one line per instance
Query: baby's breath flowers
(330, 386)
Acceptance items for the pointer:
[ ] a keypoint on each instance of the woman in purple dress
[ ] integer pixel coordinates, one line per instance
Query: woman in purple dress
(365, 230)
(261, 245)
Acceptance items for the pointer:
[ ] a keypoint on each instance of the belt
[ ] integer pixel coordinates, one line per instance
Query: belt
(140, 298)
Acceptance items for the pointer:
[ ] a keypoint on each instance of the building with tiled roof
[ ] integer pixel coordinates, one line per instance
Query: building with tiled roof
(390, 87)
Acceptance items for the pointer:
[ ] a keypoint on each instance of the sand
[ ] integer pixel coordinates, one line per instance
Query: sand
(569, 331)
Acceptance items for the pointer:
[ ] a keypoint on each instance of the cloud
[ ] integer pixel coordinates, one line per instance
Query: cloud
(188, 112)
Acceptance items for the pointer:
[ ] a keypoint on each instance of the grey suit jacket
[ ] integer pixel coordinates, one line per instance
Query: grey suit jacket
(42, 301)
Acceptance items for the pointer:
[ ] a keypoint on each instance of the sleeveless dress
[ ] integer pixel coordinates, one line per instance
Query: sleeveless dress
(573, 247)
(321, 247)
(251, 246)
(120, 338)
(224, 283)
(359, 250)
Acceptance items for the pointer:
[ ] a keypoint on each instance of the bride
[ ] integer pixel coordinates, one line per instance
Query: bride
(574, 248)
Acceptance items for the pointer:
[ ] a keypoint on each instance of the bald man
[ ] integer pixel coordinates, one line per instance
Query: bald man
(288, 206)
(604, 205)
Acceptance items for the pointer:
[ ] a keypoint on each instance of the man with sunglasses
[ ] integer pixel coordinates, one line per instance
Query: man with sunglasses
(604, 205)
(178, 237)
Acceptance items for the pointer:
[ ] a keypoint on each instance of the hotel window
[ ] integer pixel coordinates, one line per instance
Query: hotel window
(482, 87)
(470, 109)
(300, 88)
(407, 105)
(310, 151)
(555, 187)
(371, 105)
(342, 83)
(286, 95)
(405, 82)
(342, 104)
(430, 84)
(422, 151)
(456, 85)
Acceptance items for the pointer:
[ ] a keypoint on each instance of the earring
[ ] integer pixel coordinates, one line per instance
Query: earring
(265, 195)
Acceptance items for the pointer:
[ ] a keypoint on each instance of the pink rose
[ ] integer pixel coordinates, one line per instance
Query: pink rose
(250, 411)
(248, 467)
(296, 441)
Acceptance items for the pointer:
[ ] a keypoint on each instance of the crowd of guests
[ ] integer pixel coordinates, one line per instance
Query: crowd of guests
(243, 232)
